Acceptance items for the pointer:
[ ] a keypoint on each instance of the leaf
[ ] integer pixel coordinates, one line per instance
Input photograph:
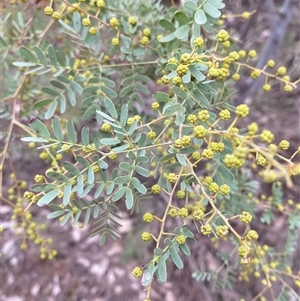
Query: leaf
(179, 92)
(185, 249)
(168, 38)
(196, 73)
(110, 141)
(200, 17)
(48, 197)
(51, 110)
(57, 84)
(23, 64)
(180, 116)
(54, 175)
(40, 55)
(66, 26)
(71, 131)
(181, 159)
(129, 200)
(85, 138)
(77, 21)
(28, 54)
(34, 139)
(162, 270)
(181, 18)
(138, 186)
(142, 171)
(211, 10)
(42, 103)
(182, 32)
(99, 190)
(67, 194)
(57, 128)
(119, 194)
(91, 175)
(83, 161)
(161, 96)
(73, 170)
(148, 274)
(39, 128)
(52, 56)
(166, 25)
(111, 108)
(124, 115)
(50, 91)
(55, 214)
(87, 216)
(201, 98)
(176, 258)
(71, 96)
(66, 218)
(104, 115)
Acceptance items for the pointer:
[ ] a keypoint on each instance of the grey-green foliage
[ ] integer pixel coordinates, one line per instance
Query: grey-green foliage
(113, 85)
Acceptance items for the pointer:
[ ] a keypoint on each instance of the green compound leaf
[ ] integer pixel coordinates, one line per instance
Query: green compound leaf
(176, 258)
(182, 32)
(71, 131)
(57, 128)
(211, 10)
(48, 197)
(129, 200)
(162, 270)
(28, 54)
(39, 128)
(200, 17)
